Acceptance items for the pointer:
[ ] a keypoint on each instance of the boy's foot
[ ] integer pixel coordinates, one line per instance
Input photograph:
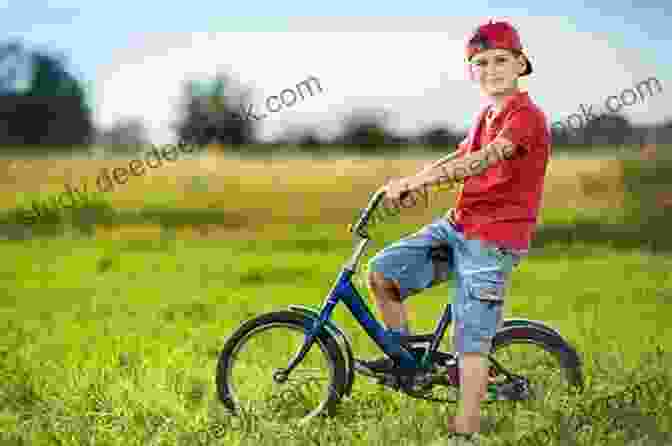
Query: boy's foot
(460, 439)
(385, 364)
(456, 439)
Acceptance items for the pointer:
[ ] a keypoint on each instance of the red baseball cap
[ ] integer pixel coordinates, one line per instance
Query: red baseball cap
(496, 35)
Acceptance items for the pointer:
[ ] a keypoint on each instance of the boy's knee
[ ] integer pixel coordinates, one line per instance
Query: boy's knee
(378, 282)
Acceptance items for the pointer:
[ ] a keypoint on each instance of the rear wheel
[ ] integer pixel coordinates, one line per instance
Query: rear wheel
(247, 382)
(533, 365)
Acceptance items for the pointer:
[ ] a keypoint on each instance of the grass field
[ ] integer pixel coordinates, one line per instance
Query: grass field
(244, 185)
(113, 340)
(115, 343)
(294, 191)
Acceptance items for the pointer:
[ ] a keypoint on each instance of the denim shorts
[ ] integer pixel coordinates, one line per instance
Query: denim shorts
(481, 271)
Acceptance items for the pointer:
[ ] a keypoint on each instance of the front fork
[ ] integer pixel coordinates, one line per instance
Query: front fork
(281, 376)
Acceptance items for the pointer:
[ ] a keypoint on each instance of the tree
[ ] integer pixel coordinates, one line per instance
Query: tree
(366, 130)
(611, 129)
(59, 99)
(216, 112)
(51, 112)
(310, 142)
(127, 135)
(440, 138)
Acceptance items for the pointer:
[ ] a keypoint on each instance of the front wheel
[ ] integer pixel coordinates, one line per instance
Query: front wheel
(247, 382)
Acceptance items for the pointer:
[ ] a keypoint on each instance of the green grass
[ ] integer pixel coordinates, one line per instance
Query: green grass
(115, 343)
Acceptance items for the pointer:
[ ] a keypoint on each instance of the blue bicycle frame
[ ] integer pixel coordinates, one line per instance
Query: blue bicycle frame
(344, 291)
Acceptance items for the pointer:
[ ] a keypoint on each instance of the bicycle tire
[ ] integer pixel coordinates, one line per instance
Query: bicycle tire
(566, 356)
(290, 320)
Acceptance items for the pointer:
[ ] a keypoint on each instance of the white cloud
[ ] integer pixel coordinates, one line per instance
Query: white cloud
(417, 76)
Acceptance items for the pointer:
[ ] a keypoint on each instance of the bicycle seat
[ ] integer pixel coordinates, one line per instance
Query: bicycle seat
(443, 260)
(441, 253)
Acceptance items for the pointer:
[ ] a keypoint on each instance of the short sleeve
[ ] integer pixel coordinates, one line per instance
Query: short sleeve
(463, 146)
(522, 129)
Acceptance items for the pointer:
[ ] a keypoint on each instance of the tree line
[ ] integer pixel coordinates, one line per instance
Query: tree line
(43, 104)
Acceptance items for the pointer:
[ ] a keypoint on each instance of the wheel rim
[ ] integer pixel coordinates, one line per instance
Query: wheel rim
(549, 382)
(261, 353)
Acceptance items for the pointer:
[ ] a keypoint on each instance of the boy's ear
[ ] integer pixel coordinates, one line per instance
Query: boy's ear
(523, 64)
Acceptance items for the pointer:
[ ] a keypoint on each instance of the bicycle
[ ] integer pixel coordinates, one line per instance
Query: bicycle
(423, 370)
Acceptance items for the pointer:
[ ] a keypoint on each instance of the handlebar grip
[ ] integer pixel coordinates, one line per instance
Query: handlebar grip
(364, 216)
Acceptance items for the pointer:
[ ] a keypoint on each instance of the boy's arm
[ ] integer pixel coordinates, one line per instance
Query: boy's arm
(456, 169)
(397, 188)
(516, 136)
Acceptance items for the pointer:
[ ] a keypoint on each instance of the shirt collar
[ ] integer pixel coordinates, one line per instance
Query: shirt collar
(518, 98)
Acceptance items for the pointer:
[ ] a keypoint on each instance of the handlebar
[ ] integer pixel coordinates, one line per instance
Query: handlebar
(360, 226)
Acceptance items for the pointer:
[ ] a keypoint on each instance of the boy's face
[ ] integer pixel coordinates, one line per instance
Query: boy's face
(497, 71)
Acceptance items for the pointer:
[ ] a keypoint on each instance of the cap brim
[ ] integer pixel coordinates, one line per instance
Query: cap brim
(528, 69)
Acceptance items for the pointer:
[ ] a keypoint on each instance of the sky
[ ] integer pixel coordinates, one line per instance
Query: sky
(402, 59)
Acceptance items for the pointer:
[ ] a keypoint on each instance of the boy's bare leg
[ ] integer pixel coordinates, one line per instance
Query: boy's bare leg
(473, 366)
(473, 385)
(388, 301)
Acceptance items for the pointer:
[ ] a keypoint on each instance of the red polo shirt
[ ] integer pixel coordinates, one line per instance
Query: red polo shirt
(502, 204)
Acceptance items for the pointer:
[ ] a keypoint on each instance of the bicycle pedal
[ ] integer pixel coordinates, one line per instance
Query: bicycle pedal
(512, 391)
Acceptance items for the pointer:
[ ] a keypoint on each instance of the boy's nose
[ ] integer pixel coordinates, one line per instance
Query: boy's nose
(490, 69)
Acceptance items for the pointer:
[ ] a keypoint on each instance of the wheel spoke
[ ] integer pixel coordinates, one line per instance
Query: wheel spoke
(539, 368)
(259, 355)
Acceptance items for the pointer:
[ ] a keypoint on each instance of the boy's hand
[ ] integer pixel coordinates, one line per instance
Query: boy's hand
(394, 189)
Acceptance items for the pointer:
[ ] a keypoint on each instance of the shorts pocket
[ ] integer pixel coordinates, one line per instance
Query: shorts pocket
(487, 289)
(482, 314)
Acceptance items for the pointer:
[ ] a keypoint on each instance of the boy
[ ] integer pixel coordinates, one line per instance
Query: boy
(502, 164)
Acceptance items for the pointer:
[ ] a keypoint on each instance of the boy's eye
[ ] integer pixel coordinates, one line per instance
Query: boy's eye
(500, 60)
